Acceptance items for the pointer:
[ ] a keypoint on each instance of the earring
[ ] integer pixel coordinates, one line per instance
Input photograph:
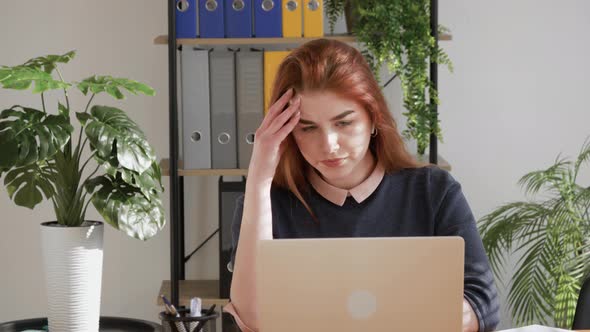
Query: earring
(374, 132)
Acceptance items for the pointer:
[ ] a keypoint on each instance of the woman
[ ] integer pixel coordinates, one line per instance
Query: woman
(328, 162)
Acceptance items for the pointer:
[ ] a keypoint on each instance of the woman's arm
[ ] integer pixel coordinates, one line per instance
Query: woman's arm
(257, 213)
(454, 218)
(470, 323)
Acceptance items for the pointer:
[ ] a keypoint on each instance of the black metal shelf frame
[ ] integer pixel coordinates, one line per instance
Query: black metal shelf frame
(176, 190)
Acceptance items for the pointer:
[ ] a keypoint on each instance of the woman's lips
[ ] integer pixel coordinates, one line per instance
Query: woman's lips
(333, 162)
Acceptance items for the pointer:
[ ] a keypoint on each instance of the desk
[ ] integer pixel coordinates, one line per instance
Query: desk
(107, 324)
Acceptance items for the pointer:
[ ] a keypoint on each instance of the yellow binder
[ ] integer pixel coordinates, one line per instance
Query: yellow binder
(313, 18)
(272, 60)
(292, 16)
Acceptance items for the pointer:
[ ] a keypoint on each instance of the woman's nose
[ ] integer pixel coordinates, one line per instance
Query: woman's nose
(330, 142)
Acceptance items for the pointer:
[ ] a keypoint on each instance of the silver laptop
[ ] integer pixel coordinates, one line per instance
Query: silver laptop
(361, 284)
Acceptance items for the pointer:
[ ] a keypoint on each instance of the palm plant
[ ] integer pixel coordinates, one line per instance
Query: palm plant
(552, 239)
(38, 155)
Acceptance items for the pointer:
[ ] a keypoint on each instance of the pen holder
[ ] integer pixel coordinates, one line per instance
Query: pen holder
(185, 323)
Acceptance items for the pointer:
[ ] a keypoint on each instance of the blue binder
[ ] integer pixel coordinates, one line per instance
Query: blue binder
(268, 18)
(238, 18)
(211, 19)
(186, 18)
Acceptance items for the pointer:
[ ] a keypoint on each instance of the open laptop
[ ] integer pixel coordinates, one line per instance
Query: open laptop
(361, 284)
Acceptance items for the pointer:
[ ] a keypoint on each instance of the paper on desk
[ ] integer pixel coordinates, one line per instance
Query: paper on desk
(535, 328)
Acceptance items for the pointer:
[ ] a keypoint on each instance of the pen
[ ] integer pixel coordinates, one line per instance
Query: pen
(209, 312)
(169, 306)
(172, 310)
(168, 303)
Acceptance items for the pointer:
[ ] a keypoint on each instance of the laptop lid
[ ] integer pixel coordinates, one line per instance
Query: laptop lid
(361, 284)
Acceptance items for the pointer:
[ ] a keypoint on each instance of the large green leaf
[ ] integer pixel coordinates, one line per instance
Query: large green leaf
(111, 131)
(48, 63)
(37, 70)
(26, 184)
(28, 136)
(113, 86)
(125, 207)
(21, 78)
(149, 182)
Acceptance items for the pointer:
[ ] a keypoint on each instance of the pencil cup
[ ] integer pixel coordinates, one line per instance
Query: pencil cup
(185, 323)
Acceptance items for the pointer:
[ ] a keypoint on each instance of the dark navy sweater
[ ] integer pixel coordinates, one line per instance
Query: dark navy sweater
(423, 201)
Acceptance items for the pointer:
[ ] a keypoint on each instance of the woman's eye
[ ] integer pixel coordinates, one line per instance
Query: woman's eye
(344, 123)
(308, 128)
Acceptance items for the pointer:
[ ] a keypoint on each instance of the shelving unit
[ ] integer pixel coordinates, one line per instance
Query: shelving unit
(181, 290)
(165, 166)
(205, 289)
(163, 40)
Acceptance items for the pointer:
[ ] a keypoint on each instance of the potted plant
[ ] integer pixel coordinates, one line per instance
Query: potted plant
(550, 236)
(42, 156)
(397, 33)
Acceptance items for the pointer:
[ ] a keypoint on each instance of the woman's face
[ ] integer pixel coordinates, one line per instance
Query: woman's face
(333, 136)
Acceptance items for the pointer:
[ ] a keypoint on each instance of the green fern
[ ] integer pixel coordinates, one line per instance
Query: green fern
(334, 9)
(397, 33)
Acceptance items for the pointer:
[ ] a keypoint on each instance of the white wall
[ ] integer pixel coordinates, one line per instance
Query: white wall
(515, 100)
(518, 95)
(114, 38)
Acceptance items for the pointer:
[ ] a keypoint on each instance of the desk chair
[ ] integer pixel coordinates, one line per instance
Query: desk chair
(582, 315)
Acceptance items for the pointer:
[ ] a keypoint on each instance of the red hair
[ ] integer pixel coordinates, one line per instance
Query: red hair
(334, 66)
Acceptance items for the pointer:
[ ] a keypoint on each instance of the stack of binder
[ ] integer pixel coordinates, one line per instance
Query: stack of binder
(224, 95)
(249, 18)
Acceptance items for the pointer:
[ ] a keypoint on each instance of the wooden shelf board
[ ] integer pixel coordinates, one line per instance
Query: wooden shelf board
(207, 290)
(442, 162)
(163, 40)
(165, 166)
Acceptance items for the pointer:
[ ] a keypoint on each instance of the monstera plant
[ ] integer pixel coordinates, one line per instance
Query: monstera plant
(41, 155)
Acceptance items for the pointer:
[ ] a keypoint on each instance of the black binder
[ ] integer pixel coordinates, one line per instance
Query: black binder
(229, 191)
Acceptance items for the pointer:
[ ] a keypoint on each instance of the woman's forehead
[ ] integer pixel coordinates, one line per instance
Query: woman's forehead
(324, 105)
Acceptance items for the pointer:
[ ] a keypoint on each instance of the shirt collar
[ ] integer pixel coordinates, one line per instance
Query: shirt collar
(338, 195)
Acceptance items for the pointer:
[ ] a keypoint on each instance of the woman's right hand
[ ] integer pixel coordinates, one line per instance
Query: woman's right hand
(275, 127)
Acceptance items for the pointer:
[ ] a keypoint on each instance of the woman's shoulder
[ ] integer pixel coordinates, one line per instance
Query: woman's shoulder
(281, 196)
(428, 177)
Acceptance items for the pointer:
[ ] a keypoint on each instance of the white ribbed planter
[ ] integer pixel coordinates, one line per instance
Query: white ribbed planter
(73, 272)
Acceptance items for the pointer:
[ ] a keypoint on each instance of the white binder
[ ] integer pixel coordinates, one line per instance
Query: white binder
(224, 152)
(250, 101)
(195, 109)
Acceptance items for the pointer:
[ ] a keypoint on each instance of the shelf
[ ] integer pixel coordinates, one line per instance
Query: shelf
(207, 290)
(165, 166)
(442, 162)
(163, 40)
